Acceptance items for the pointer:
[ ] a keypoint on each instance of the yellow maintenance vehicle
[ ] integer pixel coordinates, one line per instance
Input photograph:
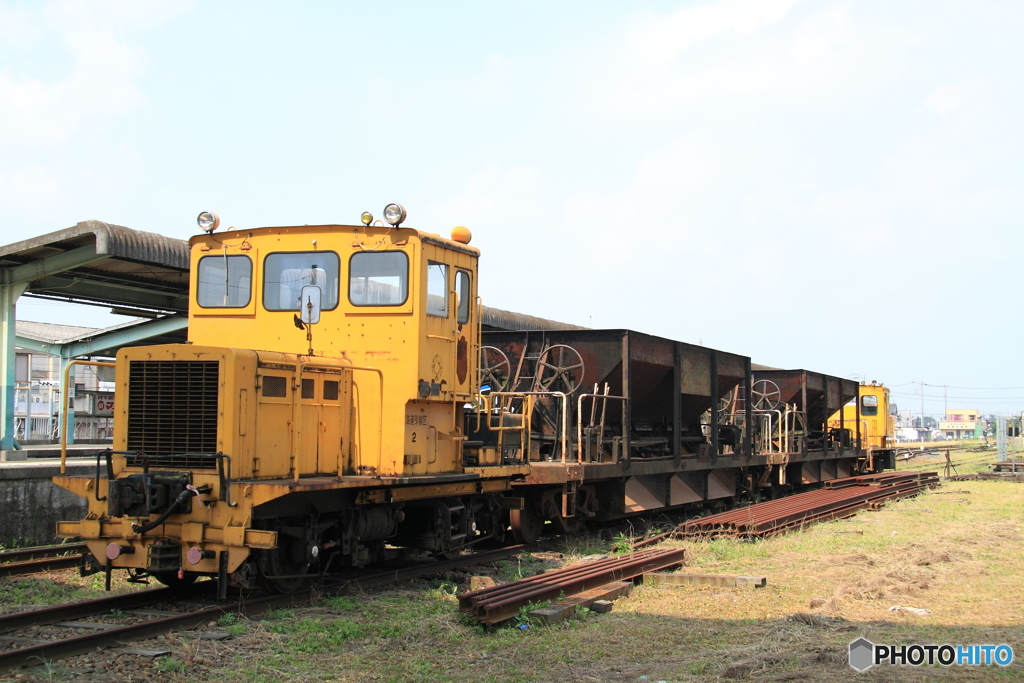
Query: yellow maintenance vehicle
(314, 418)
(875, 428)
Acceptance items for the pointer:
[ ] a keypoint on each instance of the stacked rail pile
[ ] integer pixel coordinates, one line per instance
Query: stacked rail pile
(838, 499)
(498, 603)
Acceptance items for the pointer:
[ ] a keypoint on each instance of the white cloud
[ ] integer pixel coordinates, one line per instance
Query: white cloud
(69, 67)
(102, 82)
(100, 40)
(656, 41)
(31, 187)
(741, 54)
(946, 98)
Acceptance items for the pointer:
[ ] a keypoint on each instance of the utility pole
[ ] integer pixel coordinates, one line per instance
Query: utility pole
(945, 406)
(922, 404)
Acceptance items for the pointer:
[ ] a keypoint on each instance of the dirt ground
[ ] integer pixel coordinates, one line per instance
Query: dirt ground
(953, 554)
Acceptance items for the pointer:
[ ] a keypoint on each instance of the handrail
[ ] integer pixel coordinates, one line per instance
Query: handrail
(500, 428)
(64, 412)
(768, 414)
(561, 396)
(579, 422)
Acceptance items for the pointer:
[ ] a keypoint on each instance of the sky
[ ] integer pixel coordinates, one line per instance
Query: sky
(820, 184)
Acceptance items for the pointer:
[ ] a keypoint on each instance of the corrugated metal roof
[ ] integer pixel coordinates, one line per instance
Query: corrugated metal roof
(113, 240)
(758, 367)
(497, 319)
(52, 333)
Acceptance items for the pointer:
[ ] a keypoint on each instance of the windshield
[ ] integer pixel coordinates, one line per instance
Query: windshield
(285, 274)
(224, 282)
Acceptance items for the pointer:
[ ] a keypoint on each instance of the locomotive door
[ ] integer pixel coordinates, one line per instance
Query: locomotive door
(438, 361)
(450, 322)
(321, 423)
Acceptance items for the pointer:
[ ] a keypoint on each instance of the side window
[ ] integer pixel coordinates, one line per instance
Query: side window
(378, 278)
(869, 405)
(437, 289)
(224, 282)
(462, 290)
(286, 273)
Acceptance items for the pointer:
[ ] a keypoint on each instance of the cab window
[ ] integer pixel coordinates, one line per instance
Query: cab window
(462, 292)
(224, 282)
(437, 289)
(378, 278)
(286, 273)
(869, 405)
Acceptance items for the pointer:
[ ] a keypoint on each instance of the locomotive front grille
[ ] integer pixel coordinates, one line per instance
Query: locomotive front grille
(173, 407)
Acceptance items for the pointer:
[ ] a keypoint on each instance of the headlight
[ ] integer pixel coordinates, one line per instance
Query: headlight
(208, 221)
(394, 214)
(366, 218)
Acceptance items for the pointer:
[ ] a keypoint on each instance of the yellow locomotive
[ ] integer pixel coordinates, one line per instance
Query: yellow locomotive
(872, 416)
(346, 433)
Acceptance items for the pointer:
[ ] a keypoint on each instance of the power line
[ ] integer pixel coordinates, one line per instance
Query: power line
(950, 386)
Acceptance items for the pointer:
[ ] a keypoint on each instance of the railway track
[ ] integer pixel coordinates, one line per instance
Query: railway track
(22, 561)
(29, 638)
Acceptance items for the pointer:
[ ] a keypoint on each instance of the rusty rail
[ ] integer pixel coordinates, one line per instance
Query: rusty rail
(498, 603)
(21, 561)
(839, 498)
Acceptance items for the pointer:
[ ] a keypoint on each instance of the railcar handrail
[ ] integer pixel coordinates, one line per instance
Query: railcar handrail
(579, 419)
(562, 398)
(64, 412)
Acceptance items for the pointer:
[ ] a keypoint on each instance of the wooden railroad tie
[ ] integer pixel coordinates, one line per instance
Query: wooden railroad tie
(660, 579)
(598, 599)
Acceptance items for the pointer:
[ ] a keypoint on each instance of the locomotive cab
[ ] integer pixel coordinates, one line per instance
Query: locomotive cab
(870, 417)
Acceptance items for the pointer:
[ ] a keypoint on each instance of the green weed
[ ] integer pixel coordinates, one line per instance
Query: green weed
(50, 670)
(523, 618)
(229, 619)
(622, 543)
(340, 603)
(168, 664)
(279, 614)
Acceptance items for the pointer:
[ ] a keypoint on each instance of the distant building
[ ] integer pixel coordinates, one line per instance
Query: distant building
(37, 394)
(962, 423)
(907, 434)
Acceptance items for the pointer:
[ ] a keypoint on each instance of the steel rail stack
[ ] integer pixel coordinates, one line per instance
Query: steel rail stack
(497, 603)
(839, 498)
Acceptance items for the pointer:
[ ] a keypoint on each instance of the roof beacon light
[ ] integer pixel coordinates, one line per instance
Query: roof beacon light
(394, 214)
(366, 218)
(460, 233)
(208, 221)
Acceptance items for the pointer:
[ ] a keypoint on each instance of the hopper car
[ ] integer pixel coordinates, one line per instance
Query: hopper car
(338, 402)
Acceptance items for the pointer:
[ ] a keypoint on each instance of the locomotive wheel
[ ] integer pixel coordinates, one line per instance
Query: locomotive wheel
(527, 525)
(567, 526)
(277, 574)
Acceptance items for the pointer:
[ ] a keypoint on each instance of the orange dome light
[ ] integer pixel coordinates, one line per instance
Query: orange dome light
(461, 233)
